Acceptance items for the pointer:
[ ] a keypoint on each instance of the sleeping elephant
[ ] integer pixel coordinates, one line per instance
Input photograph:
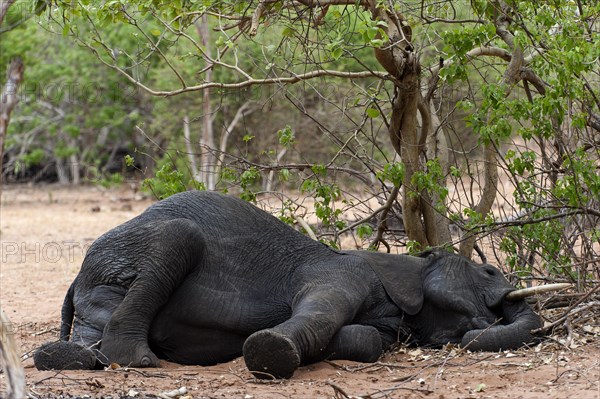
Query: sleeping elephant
(201, 278)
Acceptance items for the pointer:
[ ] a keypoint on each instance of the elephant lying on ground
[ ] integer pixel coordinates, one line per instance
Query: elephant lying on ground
(201, 278)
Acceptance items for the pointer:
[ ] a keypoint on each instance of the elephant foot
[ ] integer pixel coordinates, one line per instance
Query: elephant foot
(128, 354)
(64, 355)
(357, 343)
(270, 355)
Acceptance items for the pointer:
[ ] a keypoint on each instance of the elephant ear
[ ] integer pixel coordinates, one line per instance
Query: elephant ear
(401, 276)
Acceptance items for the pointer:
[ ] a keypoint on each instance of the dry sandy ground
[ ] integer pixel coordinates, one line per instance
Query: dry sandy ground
(45, 231)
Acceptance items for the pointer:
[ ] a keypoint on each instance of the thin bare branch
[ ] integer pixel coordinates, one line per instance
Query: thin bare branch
(306, 227)
(384, 212)
(323, 3)
(245, 83)
(239, 114)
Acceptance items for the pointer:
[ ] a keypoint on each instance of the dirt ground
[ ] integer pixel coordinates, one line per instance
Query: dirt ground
(46, 230)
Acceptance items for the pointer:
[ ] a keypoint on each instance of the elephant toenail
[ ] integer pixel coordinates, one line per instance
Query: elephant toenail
(146, 362)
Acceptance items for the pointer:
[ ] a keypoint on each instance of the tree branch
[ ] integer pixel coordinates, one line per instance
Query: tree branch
(481, 51)
(530, 76)
(243, 110)
(256, 18)
(385, 209)
(511, 76)
(4, 6)
(246, 83)
(323, 3)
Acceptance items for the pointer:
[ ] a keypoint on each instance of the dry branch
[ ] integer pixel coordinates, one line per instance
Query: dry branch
(384, 212)
(10, 361)
(573, 309)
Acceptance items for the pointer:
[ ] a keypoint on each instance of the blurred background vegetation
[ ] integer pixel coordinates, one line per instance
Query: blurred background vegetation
(294, 100)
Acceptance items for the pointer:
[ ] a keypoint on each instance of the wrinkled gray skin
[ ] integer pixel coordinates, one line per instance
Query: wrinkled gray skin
(201, 278)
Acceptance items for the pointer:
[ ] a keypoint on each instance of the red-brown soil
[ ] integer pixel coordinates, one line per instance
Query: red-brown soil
(45, 231)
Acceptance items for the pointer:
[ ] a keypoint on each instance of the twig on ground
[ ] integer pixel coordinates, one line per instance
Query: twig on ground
(46, 331)
(339, 392)
(270, 380)
(570, 312)
(396, 388)
(140, 372)
(62, 376)
(367, 366)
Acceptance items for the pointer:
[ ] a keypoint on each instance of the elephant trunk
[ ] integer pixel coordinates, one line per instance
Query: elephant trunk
(518, 321)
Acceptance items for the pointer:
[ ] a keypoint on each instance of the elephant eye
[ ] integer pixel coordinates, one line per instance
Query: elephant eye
(490, 271)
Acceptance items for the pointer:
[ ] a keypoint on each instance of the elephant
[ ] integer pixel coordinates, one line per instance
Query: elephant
(202, 278)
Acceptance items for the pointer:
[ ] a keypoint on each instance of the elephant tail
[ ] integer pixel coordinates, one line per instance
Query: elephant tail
(67, 314)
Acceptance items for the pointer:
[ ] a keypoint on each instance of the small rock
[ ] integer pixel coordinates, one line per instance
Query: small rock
(176, 393)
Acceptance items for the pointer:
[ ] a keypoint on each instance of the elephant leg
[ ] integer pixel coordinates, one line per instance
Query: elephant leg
(316, 317)
(176, 248)
(354, 342)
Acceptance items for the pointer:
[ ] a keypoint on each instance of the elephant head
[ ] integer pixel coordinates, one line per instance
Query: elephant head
(449, 299)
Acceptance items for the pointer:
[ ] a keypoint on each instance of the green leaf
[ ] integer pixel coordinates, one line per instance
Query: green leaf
(155, 32)
(373, 112)
(364, 231)
(288, 32)
(286, 136)
(337, 52)
(319, 169)
(284, 175)
(129, 160)
(40, 7)
(480, 388)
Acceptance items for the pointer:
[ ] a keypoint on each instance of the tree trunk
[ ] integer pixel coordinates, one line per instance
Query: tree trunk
(74, 164)
(207, 142)
(437, 223)
(268, 186)
(190, 151)
(490, 162)
(8, 100)
(243, 110)
(399, 60)
(61, 171)
(74, 169)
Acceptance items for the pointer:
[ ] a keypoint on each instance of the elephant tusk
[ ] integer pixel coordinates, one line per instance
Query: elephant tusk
(527, 292)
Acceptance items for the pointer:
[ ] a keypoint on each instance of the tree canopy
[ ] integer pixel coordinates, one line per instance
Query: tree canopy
(418, 123)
